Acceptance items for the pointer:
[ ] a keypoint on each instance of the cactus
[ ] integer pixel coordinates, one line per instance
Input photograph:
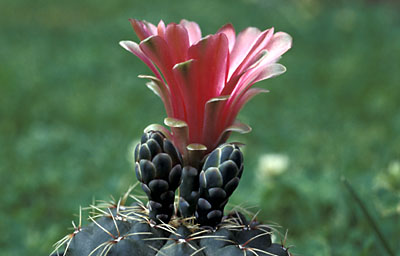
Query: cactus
(119, 229)
(190, 164)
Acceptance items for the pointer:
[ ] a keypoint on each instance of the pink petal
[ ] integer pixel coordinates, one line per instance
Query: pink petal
(234, 126)
(245, 82)
(143, 29)
(229, 31)
(239, 104)
(178, 42)
(255, 75)
(260, 44)
(280, 43)
(161, 90)
(211, 54)
(186, 80)
(212, 118)
(158, 51)
(265, 72)
(135, 49)
(193, 29)
(161, 29)
(202, 78)
(242, 46)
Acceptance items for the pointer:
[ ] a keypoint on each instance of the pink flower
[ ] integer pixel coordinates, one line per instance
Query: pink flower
(205, 81)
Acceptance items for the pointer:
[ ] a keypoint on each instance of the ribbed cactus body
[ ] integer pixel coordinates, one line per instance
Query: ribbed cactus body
(129, 239)
(129, 233)
(158, 168)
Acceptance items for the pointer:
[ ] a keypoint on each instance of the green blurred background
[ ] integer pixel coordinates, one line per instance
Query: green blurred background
(71, 106)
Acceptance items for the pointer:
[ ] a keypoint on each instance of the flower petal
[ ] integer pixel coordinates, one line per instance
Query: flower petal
(143, 29)
(186, 80)
(229, 31)
(203, 118)
(249, 95)
(212, 119)
(202, 79)
(280, 43)
(193, 30)
(245, 82)
(161, 90)
(211, 54)
(244, 40)
(161, 29)
(237, 126)
(240, 102)
(270, 71)
(255, 75)
(178, 41)
(157, 50)
(259, 45)
(135, 49)
(154, 88)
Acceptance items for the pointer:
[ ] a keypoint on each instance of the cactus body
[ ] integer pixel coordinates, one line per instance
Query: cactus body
(129, 232)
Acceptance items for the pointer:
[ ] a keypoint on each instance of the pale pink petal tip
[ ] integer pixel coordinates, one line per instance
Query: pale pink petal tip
(193, 30)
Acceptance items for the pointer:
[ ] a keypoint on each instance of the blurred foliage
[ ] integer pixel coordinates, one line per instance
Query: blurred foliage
(71, 106)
